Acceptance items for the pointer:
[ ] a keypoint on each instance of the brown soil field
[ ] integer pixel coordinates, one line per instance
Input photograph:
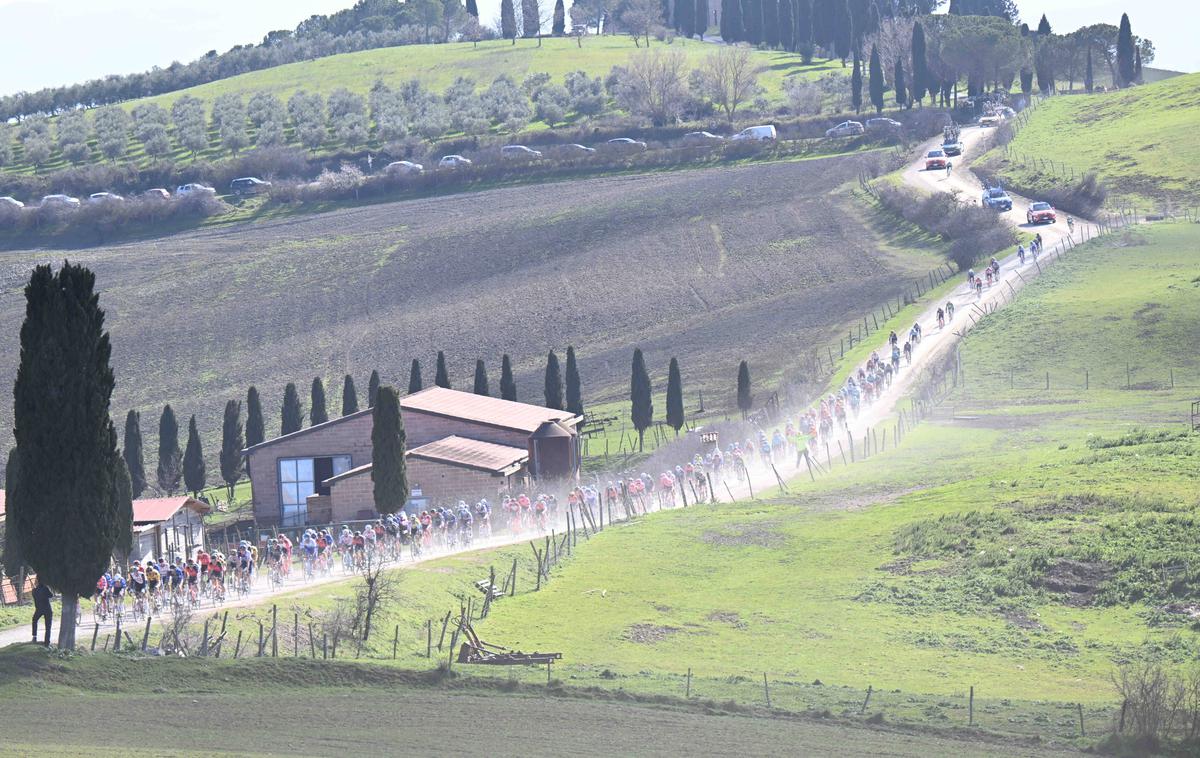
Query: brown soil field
(760, 262)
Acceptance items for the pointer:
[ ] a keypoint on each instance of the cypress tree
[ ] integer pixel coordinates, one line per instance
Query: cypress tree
(804, 27)
(134, 457)
(1044, 27)
(822, 24)
(12, 557)
(733, 29)
(900, 85)
(875, 80)
(554, 383)
(372, 388)
(170, 457)
(842, 31)
(255, 428)
(232, 443)
(415, 383)
(920, 64)
(1026, 81)
(194, 475)
(1137, 66)
(473, 9)
(292, 417)
(745, 398)
(752, 16)
(317, 413)
(700, 17)
(787, 25)
(65, 500)
(481, 379)
(1088, 78)
(1126, 64)
(770, 12)
(508, 386)
(683, 17)
(559, 26)
(388, 471)
(508, 21)
(674, 397)
(442, 377)
(641, 403)
(123, 508)
(349, 396)
(856, 85)
(574, 389)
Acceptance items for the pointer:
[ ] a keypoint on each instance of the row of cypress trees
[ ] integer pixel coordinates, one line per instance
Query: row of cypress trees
(641, 391)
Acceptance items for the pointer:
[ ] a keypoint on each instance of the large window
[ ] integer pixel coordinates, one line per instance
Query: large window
(301, 477)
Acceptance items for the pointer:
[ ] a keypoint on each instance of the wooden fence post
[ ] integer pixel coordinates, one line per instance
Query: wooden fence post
(766, 689)
(863, 709)
(971, 707)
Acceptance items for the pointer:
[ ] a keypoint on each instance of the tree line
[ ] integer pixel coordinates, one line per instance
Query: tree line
(931, 55)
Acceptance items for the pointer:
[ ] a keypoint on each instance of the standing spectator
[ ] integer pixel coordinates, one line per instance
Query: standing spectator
(42, 609)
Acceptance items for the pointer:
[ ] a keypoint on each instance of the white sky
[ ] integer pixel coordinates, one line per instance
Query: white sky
(51, 42)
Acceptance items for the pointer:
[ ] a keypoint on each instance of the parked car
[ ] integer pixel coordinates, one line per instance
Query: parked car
(404, 168)
(11, 202)
(101, 197)
(158, 193)
(519, 152)
(1041, 213)
(846, 129)
(63, 200)
(578, 150)
(249, 185)
(194, 188)
(952, 147)
(997, 199)
(935, 160)
(764, 133)
(702, 138)
(627, 145)
(883, 125)
(453, 161)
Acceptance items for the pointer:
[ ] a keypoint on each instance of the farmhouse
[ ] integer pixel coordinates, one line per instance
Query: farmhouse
(167, 526)
(460, 446)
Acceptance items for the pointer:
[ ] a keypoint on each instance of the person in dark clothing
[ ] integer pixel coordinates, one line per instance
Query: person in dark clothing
(42, 609)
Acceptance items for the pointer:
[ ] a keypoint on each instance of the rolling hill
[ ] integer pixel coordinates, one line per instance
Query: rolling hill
(1139, 141)
(712, 265)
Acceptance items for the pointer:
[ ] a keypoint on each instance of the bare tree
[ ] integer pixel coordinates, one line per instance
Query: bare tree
(654, 85)
(376, 591)
(729, 78)
(640, 18)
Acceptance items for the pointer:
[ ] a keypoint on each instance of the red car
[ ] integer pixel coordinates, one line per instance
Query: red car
(936, 159)
(1041, 213)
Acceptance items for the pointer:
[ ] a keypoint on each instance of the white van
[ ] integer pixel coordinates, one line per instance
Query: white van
(756, 133)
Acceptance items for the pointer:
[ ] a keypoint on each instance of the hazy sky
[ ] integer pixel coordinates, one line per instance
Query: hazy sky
(52, 42)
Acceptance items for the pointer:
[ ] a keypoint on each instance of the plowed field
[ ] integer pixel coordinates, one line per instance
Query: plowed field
(757, 262)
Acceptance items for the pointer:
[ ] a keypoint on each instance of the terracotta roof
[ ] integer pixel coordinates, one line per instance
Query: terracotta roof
(482, 409)
(459, 451)
(485, 456)
(155, 509)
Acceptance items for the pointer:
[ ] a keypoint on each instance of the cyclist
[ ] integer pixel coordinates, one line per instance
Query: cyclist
(116, 589)
(360, 548)
(941, 318)
(191, 573)
(286, 545)
(310, 548)
(949, 168)
(1070, 224)
(949, 310)
(153, 576)
(970, 277)
(216, 574)
(137, 579)
(1021, 253)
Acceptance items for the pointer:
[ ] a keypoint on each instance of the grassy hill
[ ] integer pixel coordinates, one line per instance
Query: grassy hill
(1025, 542)
(731, 263)
(437, 66)
(1140, 141)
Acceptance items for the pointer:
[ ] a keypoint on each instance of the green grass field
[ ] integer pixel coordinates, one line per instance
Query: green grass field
(846, 582)
(1140, 141)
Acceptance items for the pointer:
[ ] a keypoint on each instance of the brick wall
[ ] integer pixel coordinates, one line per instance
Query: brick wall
(350, 437)
(423, 428)
(353, 497)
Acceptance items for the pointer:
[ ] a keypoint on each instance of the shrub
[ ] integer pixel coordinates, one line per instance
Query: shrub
(973, 231)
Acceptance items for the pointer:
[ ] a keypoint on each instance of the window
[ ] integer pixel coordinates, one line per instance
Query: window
(301, 477)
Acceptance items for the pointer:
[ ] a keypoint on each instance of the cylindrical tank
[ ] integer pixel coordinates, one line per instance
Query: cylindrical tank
(552, 453)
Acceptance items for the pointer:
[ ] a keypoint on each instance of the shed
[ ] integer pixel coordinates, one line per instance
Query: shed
(552, 451)
(168, 526)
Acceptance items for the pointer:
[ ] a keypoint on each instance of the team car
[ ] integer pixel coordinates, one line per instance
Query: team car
(997, 199)
(935, 160)
(952, 147)
(1041, 213)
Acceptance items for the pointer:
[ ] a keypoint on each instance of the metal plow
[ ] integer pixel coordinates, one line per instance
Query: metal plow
(475, 650)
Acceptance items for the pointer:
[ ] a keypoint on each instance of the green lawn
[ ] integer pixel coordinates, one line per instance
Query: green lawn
(1141, 141)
